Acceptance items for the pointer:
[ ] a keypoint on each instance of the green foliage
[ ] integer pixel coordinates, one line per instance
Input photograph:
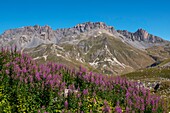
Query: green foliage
(150, 73)
(5, 106)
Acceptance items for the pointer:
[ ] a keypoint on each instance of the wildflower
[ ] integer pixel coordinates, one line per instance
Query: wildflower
(85, 91)
(142, 107)
(66, 104)
(127, 110)
(24, 70)
(38, 76)
(118, 109)
(7, 72)
(39, 111)
(21, 79)
(31, 78)
(25, 80)
(78, 95)
(106, 109)
(94, 100)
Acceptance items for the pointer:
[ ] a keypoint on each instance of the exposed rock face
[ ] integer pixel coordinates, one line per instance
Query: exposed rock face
(90, 25)
(85, 29)
(141, 35)
(32, 36)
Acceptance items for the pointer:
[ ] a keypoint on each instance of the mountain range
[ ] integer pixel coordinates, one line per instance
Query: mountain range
(94, 45)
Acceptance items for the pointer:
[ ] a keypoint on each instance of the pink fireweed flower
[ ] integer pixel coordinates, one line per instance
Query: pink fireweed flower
(107, 109)
(7, 65)
(127, 110)
(49, 77)
(51, 83)
(31, 78)
(118, 109)
(39, 111)
(25, 80)
(21, 79)
(44, 76)
(24, 70)
(85, 91)
(66, 104)
(143, 107)
(78, 95)
(7, 72)
(92, 79)
(38, 76)
(72, 87)
(133, 111)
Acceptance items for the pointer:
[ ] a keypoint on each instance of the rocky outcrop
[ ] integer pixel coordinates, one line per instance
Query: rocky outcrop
(141, 35)
(30, 36)
(26, 36)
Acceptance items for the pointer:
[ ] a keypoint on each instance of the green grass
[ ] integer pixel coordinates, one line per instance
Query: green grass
(149, 73)
(164, 62)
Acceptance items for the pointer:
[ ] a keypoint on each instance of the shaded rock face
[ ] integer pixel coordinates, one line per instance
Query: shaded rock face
(141, 35)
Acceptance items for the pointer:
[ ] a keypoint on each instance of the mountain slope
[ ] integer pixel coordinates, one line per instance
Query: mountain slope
(94, 45)
(141, 39)
(103, 52)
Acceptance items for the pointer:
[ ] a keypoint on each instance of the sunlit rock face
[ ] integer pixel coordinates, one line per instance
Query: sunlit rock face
(141, 35)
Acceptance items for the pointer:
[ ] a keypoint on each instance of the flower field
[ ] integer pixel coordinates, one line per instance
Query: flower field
(28, 87)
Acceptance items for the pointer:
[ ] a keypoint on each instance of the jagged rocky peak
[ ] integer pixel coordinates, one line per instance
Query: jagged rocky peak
(39, 28)
(93, 25)
(141, 35)
(87, 29)
(29, 36)
(145, 36)
(28, 30)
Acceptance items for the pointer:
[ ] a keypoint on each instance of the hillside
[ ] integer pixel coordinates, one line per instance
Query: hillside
(149, 77)
(26, 86)
(103, 52)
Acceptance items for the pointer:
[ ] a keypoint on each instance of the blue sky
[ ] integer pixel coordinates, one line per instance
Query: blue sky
(151, 15)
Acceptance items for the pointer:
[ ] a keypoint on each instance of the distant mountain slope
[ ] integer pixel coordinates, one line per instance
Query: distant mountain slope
(159, 52)
(151, 76)
(142, 39)
(94, 45)
(103, 52)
